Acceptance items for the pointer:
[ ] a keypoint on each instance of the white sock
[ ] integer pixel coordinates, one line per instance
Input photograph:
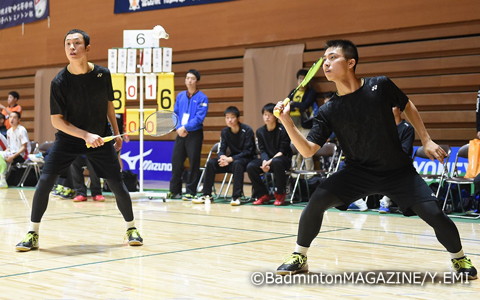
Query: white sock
(34, 227)
(301, 249)
(131, 224)
(457, 255)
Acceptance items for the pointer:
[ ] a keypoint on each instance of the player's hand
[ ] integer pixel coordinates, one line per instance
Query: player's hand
(118, 143)
(434, 151)
(284, 110)
(93, 140)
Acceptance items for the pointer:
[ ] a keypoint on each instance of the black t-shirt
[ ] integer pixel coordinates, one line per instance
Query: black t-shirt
(82, 99)
(364, 124)
(240, 144)
(272, 142)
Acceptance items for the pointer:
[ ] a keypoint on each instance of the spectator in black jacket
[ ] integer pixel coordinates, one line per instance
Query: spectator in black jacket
(275, 157)
(239, 139)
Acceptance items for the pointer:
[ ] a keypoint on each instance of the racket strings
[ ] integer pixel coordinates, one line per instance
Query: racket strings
(161, 123)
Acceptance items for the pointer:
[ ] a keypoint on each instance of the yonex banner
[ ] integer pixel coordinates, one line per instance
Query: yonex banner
(16, 12)
(426, 166)
(127, 6)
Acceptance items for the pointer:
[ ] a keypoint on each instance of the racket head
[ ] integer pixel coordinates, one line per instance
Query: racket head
(310, 74)
(161, 122)
(312, 71)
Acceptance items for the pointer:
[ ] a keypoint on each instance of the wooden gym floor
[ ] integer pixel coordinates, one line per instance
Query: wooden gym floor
(213, 251)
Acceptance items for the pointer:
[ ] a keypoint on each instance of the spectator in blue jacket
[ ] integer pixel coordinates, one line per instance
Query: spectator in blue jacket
(191, 107)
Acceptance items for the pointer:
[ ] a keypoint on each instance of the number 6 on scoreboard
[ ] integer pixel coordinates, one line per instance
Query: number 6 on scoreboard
(166, 93)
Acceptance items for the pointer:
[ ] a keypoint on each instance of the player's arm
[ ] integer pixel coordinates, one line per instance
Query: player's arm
(113, 122)
(432, 150)
(305, 147)
(61, 124)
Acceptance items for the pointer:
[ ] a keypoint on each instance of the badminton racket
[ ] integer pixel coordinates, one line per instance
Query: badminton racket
(159, 123)
(311, 72)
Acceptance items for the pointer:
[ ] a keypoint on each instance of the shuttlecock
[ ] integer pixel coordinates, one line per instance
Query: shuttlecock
(159, 32)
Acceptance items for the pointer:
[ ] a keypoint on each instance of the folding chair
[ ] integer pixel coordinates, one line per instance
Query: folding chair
(33, 161)
(325, 155)
(455, 178)
(213, 150)
(440, 178)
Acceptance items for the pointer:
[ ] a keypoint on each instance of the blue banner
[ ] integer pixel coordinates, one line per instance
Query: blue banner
(16, 12)
(157, 159)
(426, 166)
(127, 6)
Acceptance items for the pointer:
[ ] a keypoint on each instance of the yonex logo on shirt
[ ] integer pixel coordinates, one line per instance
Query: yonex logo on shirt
(99, 74)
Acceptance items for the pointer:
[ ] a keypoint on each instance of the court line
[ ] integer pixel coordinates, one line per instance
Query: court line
(282, 222)
(143, 256)
(318, 237)
(105, 213)
(391, 245)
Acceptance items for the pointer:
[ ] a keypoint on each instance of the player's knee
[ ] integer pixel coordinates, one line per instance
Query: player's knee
(324, 199)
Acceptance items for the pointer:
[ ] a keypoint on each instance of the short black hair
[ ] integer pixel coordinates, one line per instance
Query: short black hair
(14, 94)
(348, 47)
(268, 107)
(302, 72)
(19, 115)
(232, 110)
(86, 37)
(194, 72)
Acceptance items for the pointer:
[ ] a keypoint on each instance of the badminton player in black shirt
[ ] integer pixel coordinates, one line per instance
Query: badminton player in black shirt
(81, 108)
(360, 114)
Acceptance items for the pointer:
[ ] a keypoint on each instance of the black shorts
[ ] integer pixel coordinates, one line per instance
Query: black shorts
(404, 186)
(104, 159)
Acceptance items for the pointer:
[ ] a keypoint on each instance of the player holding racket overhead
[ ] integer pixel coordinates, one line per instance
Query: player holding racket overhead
(81, 107)
(360, 114)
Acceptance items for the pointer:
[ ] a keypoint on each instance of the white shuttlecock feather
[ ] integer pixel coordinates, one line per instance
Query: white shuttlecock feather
(159, 32)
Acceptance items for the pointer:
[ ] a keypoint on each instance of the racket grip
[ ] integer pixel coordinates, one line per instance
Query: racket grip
(277, 112)
(105, 140)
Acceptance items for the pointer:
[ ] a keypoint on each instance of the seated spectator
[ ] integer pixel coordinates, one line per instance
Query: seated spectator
(17, 140)
(12, 106)
(302, 103)
(275, 157)
(239, 139)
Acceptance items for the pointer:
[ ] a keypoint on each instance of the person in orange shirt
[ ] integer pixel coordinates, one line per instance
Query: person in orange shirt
(12, 105)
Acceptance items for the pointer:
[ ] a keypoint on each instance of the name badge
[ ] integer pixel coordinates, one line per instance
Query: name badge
(185, 118)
